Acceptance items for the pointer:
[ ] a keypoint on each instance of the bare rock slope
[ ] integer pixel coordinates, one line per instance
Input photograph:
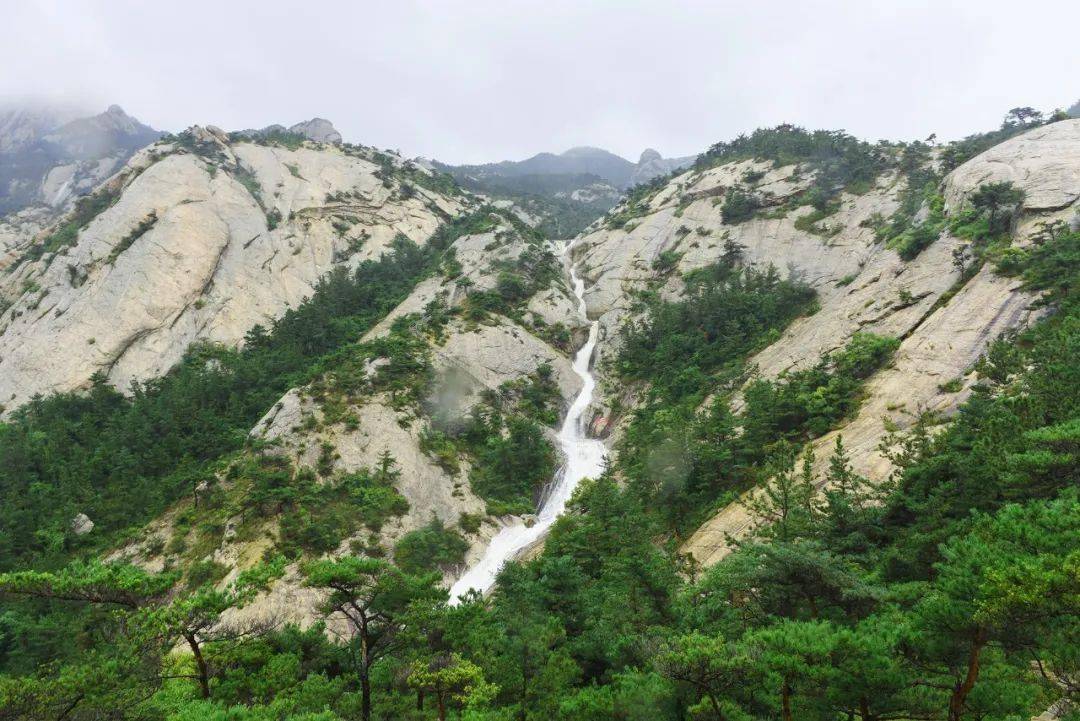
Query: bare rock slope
(198, 238)
(943, 319)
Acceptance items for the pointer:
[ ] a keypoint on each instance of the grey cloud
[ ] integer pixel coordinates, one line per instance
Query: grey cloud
(481, 80)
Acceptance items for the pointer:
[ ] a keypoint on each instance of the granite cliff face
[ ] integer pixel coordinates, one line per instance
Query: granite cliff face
(197, 238)
(944, 320)
(319, 130)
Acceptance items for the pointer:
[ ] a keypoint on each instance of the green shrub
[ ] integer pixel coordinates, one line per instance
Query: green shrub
(667, 261)
(470, 522)
(512, 469)
(838, 160)
(430, 548)
(739, 206)
(202, 573)
(273, 218)
(809, 223)
(806, 404)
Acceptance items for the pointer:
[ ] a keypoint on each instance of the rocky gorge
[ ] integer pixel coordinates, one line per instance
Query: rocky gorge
(275, 371)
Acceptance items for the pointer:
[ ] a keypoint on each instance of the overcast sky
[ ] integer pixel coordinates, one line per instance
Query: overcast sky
(474, 81)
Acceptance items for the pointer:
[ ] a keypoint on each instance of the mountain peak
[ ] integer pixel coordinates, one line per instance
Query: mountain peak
(648, 155)
(50, 154)
(587, 151)
(320, 130)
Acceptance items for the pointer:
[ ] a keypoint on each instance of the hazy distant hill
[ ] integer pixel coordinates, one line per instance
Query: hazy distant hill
(583, 160)
(50, 155)
(567, 191)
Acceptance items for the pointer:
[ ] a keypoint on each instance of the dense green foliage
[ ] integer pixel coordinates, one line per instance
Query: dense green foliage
(739, 205)
(682, 463)
(315, 515)
(430, 548)
(868, 601)
(805, 404)
(549, 198)
(502, 437)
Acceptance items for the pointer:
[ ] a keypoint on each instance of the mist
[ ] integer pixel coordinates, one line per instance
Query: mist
(481, 81)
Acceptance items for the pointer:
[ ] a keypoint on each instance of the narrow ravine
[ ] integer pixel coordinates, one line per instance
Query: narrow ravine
(584, 459)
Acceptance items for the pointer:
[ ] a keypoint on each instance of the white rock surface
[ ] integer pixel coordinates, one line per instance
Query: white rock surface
(320, 130)
(1045, 162)
(81, 524)
(209, 268)
(861, 285)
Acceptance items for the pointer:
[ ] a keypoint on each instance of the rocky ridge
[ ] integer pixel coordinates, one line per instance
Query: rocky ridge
(50, 156)
(944, 320)
(198, 238)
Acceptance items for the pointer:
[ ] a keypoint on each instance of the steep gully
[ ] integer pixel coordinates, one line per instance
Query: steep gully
(584, 459)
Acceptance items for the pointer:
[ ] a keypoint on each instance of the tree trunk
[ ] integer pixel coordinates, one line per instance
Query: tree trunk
(200, 664)
(716, 707)
(442, 706)
(962, 689)
(365, 695)
(864, 709)
(365, 672)
(785, 701)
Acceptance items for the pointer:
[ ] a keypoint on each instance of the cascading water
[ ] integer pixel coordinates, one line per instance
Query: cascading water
(584, 459)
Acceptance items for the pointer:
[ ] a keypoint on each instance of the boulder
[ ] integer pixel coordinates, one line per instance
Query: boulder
(318, 129)
(1044, 162)
(81, 525)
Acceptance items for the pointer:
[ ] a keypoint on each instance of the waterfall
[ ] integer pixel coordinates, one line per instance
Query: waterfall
(584, 459)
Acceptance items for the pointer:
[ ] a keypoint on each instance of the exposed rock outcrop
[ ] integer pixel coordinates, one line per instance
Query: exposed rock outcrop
(319, 130)
(196, 242)
(652, 165)
(1045, 162)
(469, 359)
(81, 524)
(944, 322)
(943, 318)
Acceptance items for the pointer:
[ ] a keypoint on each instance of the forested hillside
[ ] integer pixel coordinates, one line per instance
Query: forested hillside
(839, 385)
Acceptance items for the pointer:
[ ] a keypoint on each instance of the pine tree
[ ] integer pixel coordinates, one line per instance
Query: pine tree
(784, 507)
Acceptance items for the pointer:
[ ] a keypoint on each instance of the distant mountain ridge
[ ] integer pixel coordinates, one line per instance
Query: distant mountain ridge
(565, 191)
(319, 130)
(48, 156)
(580, 160)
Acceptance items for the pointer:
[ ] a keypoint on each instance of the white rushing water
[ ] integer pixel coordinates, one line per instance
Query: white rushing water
(584, 459)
